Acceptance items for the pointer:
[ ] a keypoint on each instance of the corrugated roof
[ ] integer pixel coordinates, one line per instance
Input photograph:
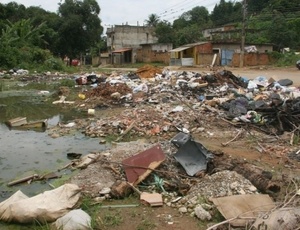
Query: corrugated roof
(121, 50)
(187, 46)
(180, 49)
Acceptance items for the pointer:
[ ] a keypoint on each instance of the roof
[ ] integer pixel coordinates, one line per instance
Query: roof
(187, 46)
(121, 50)
(180, 48)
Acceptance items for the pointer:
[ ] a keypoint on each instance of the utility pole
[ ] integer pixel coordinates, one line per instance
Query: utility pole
(242, 54)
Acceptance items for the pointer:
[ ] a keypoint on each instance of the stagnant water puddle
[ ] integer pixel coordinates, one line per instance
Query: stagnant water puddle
(24, 153)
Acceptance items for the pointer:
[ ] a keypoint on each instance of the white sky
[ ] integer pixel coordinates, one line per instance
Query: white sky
(118, 12)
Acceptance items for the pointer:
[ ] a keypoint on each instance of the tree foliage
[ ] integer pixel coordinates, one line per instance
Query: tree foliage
(32, 34)
(164, 32)
(81, 27)
(152, 20)
(226, 12)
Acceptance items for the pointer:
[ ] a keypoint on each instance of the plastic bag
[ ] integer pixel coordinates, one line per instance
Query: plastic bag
(75, 219)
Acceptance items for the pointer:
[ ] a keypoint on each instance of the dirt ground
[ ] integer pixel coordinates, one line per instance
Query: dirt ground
(248, 148)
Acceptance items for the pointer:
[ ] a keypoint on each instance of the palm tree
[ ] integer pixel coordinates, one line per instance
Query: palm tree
(153, 20)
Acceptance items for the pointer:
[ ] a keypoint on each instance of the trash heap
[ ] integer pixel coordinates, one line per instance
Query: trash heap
(267, 105)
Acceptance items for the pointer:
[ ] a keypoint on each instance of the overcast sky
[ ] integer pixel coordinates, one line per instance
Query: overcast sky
(118, 12)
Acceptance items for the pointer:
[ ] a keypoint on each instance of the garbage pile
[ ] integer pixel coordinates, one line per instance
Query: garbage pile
(269, 106)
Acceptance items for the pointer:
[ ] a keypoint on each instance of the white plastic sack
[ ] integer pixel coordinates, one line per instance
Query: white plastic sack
(284, 218)
(45, 207)
(75, 219)
(141, 88)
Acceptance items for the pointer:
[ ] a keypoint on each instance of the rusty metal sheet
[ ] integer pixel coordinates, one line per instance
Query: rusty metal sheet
(139, 166)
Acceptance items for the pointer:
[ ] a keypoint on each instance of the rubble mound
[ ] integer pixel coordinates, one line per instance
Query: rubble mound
(107, 89)
(223, 183)
(148, 71)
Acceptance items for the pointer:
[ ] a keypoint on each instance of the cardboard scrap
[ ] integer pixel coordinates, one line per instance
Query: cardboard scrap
(246, 206)
(153, 199)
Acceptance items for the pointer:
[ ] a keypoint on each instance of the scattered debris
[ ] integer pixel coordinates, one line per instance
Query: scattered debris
(62, 100)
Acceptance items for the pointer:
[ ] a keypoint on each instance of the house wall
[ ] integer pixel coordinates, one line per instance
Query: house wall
(125, 36)
(160, 47)
(251, 59)
(154, 53)
(203, 54)
(236, 47)
(100, 60)
(206, 59)
(204, 48)
(149, 55)
(121, 36)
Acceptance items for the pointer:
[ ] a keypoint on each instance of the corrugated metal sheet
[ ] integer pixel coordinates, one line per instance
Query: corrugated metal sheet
(180, 49)
(187, 46)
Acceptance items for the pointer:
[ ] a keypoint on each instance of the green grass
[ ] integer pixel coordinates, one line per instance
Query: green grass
(284, 60)
(146, 224)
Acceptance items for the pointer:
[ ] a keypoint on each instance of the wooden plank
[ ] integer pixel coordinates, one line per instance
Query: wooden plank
(17, 121)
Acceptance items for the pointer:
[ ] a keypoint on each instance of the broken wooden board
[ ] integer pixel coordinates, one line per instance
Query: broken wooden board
(20, 123)
(17, 121)
(243, 208)
(139, 166)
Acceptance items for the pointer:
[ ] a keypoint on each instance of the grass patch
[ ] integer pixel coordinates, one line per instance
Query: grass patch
(63, 179)
(92, 209)
(110, 218)
(146, 224)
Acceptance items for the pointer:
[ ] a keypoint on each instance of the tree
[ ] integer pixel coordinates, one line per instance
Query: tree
(21, 33)
(188, 35)
(80, 28)
(197, 16)
(164, 32)
(256, 6)
(18, 44)
(226, 12)
(152, 20)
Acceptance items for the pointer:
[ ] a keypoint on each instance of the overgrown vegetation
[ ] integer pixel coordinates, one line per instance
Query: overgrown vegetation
(32, 38)
(284, 59)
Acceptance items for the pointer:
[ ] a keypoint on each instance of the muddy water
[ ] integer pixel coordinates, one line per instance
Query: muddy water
(25, 152)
